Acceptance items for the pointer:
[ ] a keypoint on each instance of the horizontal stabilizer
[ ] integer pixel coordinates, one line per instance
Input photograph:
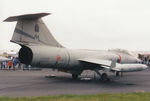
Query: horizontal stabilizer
(26, 16)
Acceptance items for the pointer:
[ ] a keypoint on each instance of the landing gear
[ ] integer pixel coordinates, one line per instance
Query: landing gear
(103, 76)
(121, 74)
(74, 76)
(117, 73)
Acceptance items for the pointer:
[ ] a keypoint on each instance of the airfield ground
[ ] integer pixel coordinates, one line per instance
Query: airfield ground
(38, 83)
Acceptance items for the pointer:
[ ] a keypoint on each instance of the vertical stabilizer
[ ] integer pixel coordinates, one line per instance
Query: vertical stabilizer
(30, 29)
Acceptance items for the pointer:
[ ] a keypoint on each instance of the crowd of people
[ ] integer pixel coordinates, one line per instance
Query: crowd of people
(13, 63)
(145, 58)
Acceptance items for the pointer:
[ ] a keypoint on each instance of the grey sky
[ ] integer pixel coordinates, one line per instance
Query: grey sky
(89, 24)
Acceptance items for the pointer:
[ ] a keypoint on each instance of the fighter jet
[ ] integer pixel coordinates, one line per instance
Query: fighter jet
(39, 48)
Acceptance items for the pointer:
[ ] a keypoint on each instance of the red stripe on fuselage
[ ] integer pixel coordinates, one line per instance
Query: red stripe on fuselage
(58, 58)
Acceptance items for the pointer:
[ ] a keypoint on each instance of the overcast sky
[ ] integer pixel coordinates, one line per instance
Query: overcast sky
(85, 24)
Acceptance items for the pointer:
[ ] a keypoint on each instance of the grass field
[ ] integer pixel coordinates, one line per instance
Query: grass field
(140, 96)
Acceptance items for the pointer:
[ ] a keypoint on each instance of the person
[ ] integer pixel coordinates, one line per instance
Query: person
(15, 62)
(1, 65)
(4, 64)
(149, 62)
(19, 65)
(10, 64)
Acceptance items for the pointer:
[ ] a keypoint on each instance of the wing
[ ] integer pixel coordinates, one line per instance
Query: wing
(113, 66)
(105, 63)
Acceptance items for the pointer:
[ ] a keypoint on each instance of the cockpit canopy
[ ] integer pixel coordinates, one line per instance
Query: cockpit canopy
(120, 51)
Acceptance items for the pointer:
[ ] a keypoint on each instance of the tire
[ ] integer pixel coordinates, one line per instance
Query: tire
(104, 77)
(74, 76)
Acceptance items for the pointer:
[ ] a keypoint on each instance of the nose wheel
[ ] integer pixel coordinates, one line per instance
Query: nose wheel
(119, 74)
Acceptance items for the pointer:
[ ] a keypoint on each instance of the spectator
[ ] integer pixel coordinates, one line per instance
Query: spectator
(4, 64)
(19, 65)
(15, 62)
(1, 63)
(10, 64)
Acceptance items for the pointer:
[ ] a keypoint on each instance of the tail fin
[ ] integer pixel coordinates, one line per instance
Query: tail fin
(30, 29)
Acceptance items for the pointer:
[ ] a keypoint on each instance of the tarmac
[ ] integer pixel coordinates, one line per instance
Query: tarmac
(46, 82)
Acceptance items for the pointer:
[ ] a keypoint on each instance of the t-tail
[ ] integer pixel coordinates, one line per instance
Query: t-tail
(37, 42)
(30, 29)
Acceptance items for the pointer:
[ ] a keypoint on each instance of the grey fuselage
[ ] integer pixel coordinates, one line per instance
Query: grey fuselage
(63, 58)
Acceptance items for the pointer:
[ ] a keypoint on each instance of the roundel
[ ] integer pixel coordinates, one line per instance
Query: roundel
(119, 60)
(58, 58)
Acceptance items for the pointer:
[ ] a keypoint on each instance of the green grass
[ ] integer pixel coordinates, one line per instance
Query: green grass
(139, 96)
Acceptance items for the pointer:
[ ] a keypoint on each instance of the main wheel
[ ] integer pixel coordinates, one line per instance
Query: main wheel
(104, 77)
(74, 76)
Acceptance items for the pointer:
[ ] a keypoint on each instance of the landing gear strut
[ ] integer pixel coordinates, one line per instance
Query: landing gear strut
(117, 73)
(74, 76)
(121, 74)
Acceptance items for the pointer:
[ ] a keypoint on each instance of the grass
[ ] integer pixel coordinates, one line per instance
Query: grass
(139, 96)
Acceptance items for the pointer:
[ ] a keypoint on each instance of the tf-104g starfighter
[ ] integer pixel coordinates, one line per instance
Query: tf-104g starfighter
(39, 48)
